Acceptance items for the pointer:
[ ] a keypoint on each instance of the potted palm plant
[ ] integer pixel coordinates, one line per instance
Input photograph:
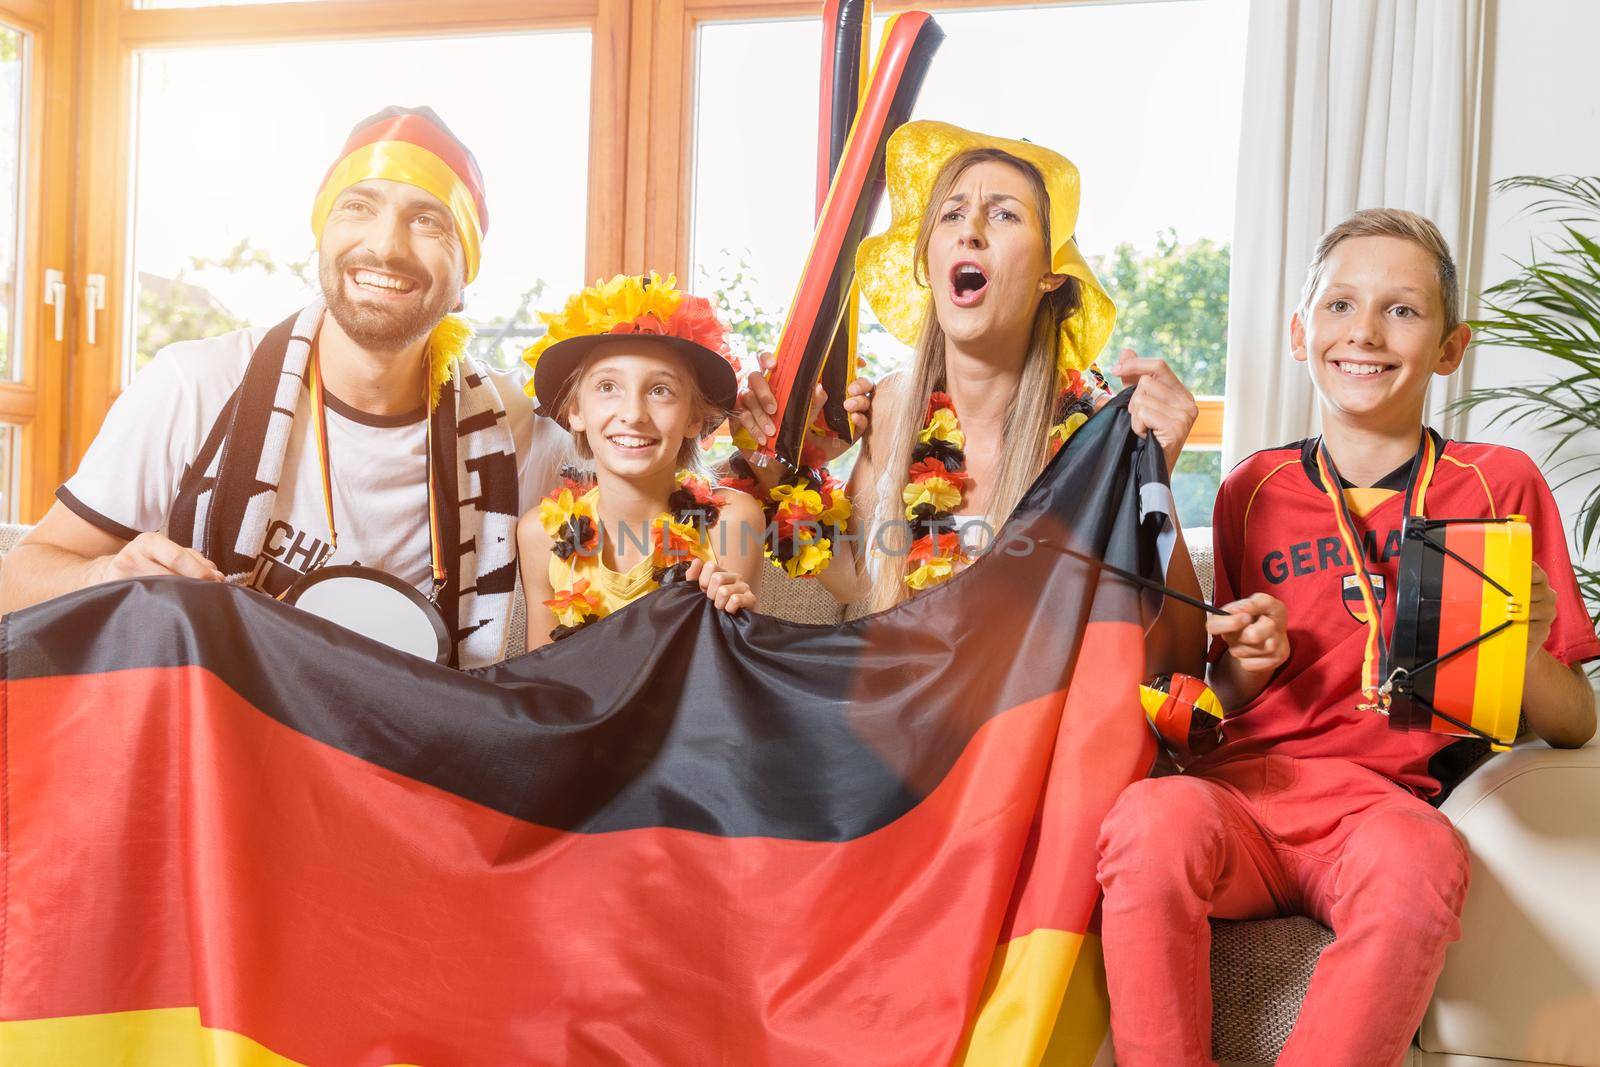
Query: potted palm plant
(1552, 305)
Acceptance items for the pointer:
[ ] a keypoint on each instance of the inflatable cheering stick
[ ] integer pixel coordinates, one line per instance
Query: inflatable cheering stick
(846, 60)
(822, 296)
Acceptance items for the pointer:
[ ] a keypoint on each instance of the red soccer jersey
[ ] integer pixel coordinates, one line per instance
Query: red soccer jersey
(1275, 533)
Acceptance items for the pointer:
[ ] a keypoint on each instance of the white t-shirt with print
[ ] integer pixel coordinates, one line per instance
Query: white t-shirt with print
(129, 477)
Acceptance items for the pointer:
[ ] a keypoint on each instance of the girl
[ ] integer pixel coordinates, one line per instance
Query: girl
(638, 372)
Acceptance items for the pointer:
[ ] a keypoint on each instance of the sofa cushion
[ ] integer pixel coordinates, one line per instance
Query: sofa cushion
(1259, 974)
(1521, 983)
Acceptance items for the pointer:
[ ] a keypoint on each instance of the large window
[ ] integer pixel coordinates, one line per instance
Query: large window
(197, 133)
(13, 91)
(231, 151)
(13, 113)
(181, 143)
(1145, 98)
(33, 286)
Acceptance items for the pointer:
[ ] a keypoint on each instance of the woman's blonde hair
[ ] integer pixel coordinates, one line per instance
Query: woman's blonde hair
(689, 454)
(1024, 441)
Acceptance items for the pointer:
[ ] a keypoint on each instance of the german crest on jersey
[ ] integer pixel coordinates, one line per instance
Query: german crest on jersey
(1353, 602)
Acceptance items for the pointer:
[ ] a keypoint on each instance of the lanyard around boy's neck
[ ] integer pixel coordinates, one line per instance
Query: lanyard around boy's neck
(1377, 650)
(319, 424)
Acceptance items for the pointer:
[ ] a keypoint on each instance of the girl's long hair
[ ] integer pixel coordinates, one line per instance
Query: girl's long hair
(1024, 443)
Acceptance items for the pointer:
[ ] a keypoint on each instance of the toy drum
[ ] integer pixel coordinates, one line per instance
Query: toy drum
(1185, 713)
(376, 605)
(1460, 644)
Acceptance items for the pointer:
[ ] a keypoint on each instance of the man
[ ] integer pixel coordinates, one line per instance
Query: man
(211, 465)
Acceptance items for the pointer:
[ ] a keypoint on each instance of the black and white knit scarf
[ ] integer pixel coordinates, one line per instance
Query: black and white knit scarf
(225, 500)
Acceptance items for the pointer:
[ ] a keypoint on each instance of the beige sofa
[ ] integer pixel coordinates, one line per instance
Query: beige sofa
(1522, 987)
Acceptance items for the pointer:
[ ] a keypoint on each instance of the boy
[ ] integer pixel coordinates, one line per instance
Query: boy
(1312, 805)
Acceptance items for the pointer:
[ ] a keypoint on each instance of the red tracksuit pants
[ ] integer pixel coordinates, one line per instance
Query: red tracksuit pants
(1264, 836)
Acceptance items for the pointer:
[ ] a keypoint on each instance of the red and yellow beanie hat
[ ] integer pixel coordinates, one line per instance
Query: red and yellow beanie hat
(633, 304)
(414, 146)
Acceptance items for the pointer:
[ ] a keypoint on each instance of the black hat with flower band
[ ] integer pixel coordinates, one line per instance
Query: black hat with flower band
(632, 305)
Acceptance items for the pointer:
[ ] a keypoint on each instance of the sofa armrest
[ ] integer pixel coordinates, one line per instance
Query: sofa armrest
(1523, 983)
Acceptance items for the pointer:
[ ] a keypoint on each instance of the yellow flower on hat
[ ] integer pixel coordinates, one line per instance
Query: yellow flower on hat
(604, 306)
(886, 263)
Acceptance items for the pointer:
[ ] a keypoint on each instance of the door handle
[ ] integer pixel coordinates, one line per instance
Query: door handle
(55, 295)
(94, 301)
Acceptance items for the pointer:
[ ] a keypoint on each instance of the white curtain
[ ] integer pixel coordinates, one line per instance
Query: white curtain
(1349, 104)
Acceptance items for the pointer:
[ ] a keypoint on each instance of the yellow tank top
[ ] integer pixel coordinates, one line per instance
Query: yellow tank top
(611, 588)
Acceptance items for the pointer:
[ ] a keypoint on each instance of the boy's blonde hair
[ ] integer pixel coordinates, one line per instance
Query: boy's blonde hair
(1390, 222)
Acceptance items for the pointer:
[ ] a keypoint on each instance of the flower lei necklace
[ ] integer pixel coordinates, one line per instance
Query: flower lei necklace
(677, 536)
(806, 512)
(937, 483)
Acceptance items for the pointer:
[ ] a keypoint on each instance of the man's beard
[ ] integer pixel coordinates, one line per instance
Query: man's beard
(377, 328)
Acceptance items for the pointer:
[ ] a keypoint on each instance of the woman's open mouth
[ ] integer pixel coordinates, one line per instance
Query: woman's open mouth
(968, 283)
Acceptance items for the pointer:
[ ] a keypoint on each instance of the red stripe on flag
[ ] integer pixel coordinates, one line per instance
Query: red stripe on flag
(171, 845)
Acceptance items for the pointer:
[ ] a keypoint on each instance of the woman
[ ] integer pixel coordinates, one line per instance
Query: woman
(979, 271)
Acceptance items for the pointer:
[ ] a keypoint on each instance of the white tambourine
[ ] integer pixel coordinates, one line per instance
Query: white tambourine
(375, 605)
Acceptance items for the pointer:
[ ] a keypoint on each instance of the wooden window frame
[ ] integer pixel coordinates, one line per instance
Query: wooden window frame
(114, 30)
(35, 403)
(662, 95)
(640, 144)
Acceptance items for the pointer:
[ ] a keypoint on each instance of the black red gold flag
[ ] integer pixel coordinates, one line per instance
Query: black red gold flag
(234, 834)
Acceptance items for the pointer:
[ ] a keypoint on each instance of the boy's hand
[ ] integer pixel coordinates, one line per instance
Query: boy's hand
(1256, 630)
(1161, 404)
(1541, 611)
(725, 589)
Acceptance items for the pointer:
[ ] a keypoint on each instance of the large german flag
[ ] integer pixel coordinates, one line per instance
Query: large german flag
(236, 835)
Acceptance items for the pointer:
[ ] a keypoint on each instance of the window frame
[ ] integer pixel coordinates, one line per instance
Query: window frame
(665, 237)
(115, 30)
(641, 147)
(34, 402)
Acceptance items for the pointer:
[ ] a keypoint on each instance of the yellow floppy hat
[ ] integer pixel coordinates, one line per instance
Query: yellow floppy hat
(886, 264)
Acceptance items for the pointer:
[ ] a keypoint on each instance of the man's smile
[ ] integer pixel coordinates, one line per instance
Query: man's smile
(380, 282)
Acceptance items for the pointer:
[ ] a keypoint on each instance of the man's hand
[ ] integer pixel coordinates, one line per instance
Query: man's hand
(153, 554)
(1256, 631)
(1161, 404)
(1541, 611)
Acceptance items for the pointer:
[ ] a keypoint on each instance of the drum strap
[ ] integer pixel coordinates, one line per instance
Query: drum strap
(319, 426)
(1350, 532)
